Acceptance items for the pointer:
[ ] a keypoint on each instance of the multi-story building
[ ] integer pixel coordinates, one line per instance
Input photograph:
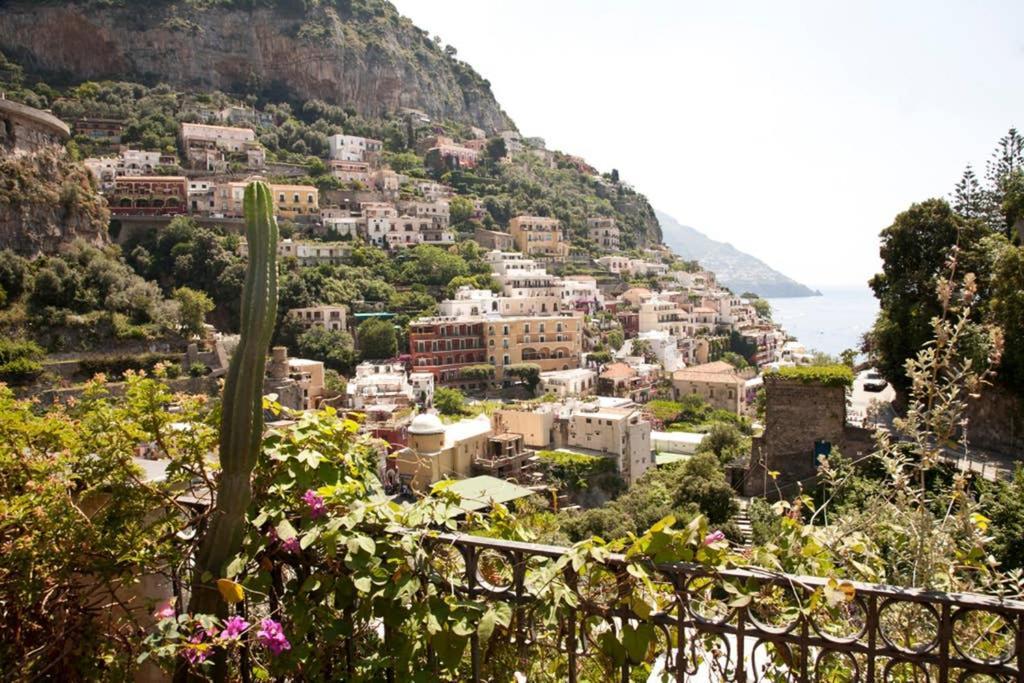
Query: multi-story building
(290, 201)
(665, 316)
(106, 131)
(768, 341)
(580, 293)
(199, 140)
(437, 211)
(379, 383)
(603, 231)
(469, 302)
(622, 433)
(308, 253)
(406, 231)
(341, 222)
(353, 148)
(615, 264)
(129, 162)
(493, 239)
(444, 345)
(201, 193)
(331, 317)
(438, 451)
(539, 236)
(432, 191)
(379, 217)
(149, 195)
(309, 375)
(447, 153)
(563, 383)
(551, 342)
(387, 181)
(718, 383)
(350, 171)
(663, 346)
(641, 267)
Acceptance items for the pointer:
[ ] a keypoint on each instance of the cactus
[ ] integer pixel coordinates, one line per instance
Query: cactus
(241, 427)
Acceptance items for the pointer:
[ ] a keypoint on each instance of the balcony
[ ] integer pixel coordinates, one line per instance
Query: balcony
(699, 631)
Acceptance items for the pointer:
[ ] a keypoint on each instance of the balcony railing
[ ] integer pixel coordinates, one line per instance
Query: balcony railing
(880, 633)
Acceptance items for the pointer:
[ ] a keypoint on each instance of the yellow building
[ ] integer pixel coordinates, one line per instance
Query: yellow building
(552, 342)
(290, 201)
(538, 236)
(718, 383)
(438, 451)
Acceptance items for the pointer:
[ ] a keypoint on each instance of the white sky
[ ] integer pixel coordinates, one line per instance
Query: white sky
(794, 130)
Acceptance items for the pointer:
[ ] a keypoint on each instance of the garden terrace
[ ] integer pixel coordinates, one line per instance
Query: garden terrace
(779, 626)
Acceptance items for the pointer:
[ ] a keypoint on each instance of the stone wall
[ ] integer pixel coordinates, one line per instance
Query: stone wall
(995, 422)
(797, 415)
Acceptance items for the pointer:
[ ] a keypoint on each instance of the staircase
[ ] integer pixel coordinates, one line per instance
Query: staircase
(742, 521)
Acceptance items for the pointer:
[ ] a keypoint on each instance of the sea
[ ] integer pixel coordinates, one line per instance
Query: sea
(830, 323)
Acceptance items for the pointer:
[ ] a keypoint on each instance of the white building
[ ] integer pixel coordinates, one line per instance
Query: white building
(328, 316)
(641, 267)
(665, 316)
(580, 292)
(562, 383)
(620, 432)
(615, 264)
(664, 346)
(353, 148)
(380, 384)
(469, 302)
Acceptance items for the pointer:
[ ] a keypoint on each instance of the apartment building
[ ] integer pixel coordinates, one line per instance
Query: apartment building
(431, 191)
(406, 231)
(718, 383)
(614, 264)
(443, 345)
(551, 342)
(603, 231)
(148, 196)
(290, 201)
(527, 288)
(437, 211)
(565, 383)
(128, 162)
(580, 293)
(663, 346)
(493, 239)
(471, 303)
(353, 148)
(331, 317)
(379, 217)
(308, 253)
(539, 236)
(622, 433)
(205, 146)
(379, 384)
(645, 268)
(451, 155)
(350, 171)
(665, 316)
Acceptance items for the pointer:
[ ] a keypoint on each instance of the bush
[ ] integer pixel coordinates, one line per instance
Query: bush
(574, 470)
(197, 369)
(114, 367)
(828, 375)
(20, 371)
(449, 401)
(666, 411)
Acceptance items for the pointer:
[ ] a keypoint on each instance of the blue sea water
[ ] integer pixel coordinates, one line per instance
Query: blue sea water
(830, 323)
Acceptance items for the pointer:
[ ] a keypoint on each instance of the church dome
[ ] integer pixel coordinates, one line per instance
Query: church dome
(426, 423)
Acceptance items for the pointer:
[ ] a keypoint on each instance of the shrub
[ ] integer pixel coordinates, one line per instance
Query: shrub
(20, 370)
(828, 375)
(197, 369)
(449, 401)
(117, 365)
(573, 470)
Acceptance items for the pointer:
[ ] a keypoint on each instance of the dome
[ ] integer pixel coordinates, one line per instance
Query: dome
(426, 423)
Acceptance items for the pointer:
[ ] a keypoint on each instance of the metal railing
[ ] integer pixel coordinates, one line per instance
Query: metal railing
(875, 633)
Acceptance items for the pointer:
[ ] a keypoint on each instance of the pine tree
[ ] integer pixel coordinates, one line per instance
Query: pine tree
(1000, 171)
(968, 196)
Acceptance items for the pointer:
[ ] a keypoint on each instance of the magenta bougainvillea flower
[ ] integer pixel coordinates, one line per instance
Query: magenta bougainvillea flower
(272, 637)
(317, 507)
(165, 610)
(197, 651)
(234, 628)
(291, 544)
(714, 537)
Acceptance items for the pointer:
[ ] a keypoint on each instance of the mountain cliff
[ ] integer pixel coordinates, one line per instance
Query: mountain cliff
(359, 54)
(738, 271)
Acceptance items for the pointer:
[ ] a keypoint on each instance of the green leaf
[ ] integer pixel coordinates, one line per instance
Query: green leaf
(449, 648)
(363, 584)
(637, 641)
(285, 530)
(235, 567)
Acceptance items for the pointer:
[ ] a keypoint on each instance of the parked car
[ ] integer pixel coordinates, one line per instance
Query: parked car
(875, 385)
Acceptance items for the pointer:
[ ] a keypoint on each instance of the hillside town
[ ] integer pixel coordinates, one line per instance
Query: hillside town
(314, 367)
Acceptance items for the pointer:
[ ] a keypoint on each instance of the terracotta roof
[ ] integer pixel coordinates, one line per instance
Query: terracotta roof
(618, 371)
(717, 371)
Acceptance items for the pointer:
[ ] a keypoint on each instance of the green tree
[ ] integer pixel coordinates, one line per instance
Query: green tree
(449, 401)
(1007, 311)
(377, 339)
(334, 347)
(615, 339)
(193, 306)
(724, 441)
(914, 250)
(430, 265)
(460, 209)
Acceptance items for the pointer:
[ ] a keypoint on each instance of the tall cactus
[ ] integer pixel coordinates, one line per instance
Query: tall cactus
(241, 428)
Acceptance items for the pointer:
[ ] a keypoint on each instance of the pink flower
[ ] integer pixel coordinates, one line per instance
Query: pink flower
(165, 610)
(197, 651)
(272, 637)
(291, 545)
(317, 507)
(714, 537)
(234, 627)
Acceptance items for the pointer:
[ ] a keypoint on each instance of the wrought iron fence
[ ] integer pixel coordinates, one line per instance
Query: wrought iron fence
(737, 624)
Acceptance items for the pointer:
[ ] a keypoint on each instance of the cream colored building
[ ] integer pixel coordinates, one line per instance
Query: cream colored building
(309, 375)
(603, 231)
(290, 201)
(537, 427)
(562, 383)
(539, 236)
(718, 383)
(619, 432)
(552, 342)
(326, 316)
(667, 316)
(438, 451)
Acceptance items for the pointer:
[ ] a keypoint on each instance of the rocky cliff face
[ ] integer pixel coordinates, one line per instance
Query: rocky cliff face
(47, 200)
(359, 54)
